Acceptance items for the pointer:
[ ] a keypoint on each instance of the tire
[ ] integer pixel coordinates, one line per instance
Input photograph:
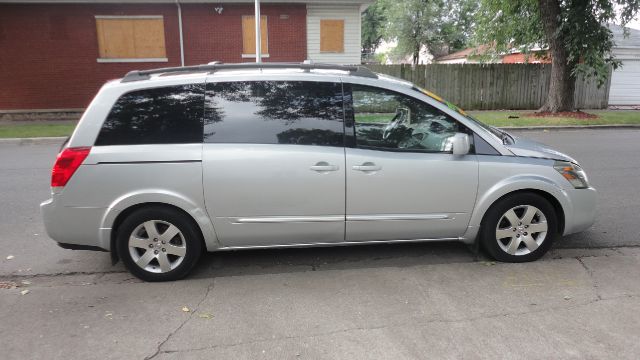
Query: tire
(158, 243)
(520, 227)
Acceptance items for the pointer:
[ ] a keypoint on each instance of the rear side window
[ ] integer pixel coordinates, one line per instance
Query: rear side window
(167, 115)
(274, 112)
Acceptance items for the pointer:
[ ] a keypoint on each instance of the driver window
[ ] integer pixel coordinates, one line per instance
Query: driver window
(390, 120)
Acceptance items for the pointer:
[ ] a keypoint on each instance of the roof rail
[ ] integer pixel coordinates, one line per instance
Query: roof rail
(355, 70)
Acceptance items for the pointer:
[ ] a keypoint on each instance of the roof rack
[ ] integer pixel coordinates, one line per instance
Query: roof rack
(354, 70)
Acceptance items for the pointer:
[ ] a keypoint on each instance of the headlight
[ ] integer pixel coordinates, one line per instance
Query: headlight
(573, 173)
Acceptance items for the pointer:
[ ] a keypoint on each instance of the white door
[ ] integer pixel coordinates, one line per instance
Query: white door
(625, 84)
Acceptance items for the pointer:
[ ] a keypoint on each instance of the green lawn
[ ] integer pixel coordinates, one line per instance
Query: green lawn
(374, 117)
(501, 118)
(35, 130)
(605, 117)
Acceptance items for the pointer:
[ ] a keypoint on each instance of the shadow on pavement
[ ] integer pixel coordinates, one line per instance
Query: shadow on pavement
(273, 261)
(289, 260)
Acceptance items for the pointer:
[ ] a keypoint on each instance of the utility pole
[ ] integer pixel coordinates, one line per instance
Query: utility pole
(258, 33)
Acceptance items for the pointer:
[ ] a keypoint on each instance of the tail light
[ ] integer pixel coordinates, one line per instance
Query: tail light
(66, 164)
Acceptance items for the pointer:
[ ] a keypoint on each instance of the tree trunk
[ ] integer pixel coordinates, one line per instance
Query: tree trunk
(562, 84)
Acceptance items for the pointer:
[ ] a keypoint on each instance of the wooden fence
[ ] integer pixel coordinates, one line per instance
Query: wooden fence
(495, 86)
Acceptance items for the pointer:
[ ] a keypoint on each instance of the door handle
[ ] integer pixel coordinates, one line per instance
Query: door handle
(368, 166)
(324, 166)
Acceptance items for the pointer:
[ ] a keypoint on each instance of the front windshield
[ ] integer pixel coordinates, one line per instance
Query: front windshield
(502, 135)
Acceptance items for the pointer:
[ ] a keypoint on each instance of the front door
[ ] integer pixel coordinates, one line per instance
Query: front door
(273, 162)
(403, 182)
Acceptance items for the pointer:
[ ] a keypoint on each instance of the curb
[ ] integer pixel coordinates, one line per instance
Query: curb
(572, 127)
(34, 141)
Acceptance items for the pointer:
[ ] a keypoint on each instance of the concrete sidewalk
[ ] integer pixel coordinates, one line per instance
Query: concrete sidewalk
(572, 304)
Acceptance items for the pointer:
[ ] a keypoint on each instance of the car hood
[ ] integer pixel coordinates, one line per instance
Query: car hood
(529, 148)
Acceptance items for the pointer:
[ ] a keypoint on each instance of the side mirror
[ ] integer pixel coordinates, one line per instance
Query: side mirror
(460, 144)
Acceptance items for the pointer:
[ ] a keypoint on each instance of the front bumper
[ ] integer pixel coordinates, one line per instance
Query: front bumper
(77, 227)
(583, 212)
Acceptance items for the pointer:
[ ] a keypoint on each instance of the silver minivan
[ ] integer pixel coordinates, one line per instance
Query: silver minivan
(168, 163)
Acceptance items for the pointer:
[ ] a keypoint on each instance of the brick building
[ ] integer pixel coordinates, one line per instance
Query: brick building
(55, 54)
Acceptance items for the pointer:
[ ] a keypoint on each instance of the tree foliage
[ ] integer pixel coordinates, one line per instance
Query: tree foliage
(574, 30)
(374, 22)
(440, 26)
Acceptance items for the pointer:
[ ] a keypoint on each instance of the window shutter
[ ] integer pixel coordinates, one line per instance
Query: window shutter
(332, 36)
(131, 38)
(149, 37)
(249, 35)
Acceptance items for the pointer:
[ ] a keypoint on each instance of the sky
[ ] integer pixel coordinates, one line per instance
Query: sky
(634, 24)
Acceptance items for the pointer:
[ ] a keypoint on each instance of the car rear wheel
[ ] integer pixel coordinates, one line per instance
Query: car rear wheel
(518, 228)
(159, 244)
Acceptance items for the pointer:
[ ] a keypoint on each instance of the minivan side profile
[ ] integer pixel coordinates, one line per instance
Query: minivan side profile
(166, 164)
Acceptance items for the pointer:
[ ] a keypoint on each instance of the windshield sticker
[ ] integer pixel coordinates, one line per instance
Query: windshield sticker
(443, 101)
(433, 96)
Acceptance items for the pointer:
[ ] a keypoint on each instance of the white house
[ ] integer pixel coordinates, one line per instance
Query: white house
(625, 81)
(346, 15)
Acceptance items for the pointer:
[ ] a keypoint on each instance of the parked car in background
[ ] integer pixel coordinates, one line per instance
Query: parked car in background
(166, 164)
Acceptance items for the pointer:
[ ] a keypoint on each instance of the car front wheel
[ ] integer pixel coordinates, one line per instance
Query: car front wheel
(518, 228)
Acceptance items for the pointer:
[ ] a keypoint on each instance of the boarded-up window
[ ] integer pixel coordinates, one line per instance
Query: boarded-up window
(249, 35)
(131, 37)
(332, 36)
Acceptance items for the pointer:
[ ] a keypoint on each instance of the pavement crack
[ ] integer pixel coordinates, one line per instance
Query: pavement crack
(61, 274)
(590, 272)
(176, 330)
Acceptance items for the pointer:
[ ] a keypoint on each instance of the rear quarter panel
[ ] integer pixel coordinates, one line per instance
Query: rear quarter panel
(113, 178)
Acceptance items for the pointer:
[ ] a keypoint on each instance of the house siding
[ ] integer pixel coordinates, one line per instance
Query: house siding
(351, 17)
(209, 36)
(625, 81)
(48, 53)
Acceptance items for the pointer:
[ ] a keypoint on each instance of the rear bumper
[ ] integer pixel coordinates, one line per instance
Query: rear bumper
(73, 227)
(583, 212)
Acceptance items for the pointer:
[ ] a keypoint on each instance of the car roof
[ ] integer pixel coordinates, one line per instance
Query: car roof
(195, 73)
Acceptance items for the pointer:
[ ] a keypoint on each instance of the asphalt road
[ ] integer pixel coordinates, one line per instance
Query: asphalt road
(387, 301)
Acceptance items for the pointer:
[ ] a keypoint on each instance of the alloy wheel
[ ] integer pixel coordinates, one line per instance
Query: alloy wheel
(521, 230)
(157, 246)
